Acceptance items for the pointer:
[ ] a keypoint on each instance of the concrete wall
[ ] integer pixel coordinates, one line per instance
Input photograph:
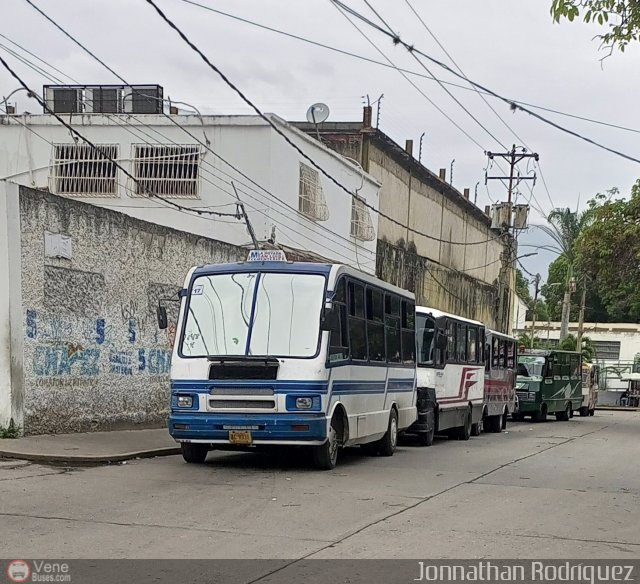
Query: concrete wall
(93, 356)
(246, 142)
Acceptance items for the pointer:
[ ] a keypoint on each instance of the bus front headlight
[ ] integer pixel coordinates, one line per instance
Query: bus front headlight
(304, 403)
(185, 401)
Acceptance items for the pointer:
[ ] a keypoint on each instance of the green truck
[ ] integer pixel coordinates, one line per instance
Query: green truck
(548, 382)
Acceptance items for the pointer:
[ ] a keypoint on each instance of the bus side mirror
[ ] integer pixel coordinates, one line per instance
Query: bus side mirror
(441, 341)
(330, 320)
(162, 317)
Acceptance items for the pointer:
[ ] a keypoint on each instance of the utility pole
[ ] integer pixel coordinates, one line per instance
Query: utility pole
(536, 282)
(566, 309)
(581, 317)
(512, 157)
(247, 222)
(504, 221)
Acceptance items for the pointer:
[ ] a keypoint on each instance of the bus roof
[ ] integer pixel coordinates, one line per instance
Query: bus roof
(500, 335)
(439, 314)
(545, 352)
(299, 267)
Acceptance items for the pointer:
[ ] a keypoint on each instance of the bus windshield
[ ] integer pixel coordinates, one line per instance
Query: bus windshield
(254, 314)
(425, 336)
(530, 366)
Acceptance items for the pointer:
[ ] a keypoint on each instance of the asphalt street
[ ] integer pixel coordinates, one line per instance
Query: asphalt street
(552, 490)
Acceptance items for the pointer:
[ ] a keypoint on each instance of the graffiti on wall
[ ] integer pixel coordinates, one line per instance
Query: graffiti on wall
(84, 349)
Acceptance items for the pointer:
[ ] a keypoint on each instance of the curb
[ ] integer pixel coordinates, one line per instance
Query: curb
(616, 409)
(79, 459)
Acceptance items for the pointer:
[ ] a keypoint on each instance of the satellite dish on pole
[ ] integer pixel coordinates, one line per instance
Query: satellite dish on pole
(317, 113)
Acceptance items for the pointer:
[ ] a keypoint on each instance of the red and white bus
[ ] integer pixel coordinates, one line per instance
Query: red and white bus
(499, 381)
(450, 375)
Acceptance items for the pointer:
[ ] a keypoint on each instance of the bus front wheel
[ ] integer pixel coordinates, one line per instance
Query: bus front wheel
(194, 452)
(566, 415)
(464, 432)
(325, 456)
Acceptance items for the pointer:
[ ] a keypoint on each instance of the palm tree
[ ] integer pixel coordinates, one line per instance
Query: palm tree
(565, 226)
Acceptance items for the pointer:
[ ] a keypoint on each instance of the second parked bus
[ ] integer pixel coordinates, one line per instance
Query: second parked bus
(450, 372)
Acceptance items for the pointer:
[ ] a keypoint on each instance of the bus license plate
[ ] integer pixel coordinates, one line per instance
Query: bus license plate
(237, 437)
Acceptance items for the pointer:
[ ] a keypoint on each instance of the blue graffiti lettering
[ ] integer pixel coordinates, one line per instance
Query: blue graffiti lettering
(100, 332)
(32, 324)
(132, 330)
(120, 362)
(142, 360)
(159, 361)
(60, 361)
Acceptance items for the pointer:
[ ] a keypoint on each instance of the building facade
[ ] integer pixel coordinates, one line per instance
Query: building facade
(205, 164)
(431, 238)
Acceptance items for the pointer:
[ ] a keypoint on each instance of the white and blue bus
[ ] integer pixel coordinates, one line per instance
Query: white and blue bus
(287, 353)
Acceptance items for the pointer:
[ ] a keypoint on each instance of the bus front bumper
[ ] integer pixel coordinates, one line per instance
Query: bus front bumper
(214, 428)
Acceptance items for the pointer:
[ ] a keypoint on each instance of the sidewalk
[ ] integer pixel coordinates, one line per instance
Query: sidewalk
(91, 447)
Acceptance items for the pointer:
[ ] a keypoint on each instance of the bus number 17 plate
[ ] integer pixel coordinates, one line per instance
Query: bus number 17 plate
(240, 437)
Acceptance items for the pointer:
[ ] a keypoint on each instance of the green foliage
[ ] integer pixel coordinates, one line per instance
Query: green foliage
(570, 343)
(620, 19)
(609, 252)
(12, 431)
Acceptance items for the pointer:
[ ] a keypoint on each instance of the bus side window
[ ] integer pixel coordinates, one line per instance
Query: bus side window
(472, 340)
(451, 342)
(510, 354)
(487, 357)
(357, 323)
(375, 325)
(462, 343)
(494, 353)
(502, 353)
(338, 338)
(408, 332)
(392, 327)
(481, 346)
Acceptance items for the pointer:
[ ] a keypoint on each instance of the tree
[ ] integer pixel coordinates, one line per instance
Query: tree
(564, 229)
(609, 252)
(553, 291)
(522, 290)
(569, 344)
(620, 17)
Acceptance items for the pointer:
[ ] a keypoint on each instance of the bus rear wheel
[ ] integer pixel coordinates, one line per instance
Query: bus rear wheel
(592, 412)
(584, 411)
(194, 452)
(564, 416)
(494, 424)
(388, 443)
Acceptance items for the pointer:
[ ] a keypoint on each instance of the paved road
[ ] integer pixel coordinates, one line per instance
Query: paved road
(554, 490)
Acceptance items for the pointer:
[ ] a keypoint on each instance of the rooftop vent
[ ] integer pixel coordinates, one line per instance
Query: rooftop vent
(104, 99)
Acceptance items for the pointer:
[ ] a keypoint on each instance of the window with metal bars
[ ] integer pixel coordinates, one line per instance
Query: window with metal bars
(311, 201)
(607, 349)
(361, 224)
(80, 170)
(166, 170)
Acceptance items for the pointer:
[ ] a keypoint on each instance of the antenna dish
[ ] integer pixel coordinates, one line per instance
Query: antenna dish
(317, 113)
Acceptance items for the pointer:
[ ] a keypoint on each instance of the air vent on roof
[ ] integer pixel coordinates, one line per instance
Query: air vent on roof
(104, 99)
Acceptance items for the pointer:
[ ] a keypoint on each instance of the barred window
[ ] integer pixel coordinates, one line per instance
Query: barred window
(167, 170)
(607, 349)
(311, 201)
(361, 224)
(81, 170)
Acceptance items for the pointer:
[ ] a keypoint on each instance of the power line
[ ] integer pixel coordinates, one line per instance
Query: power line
(441, 84)
(514, 105)
(386, 65)
(278, 131)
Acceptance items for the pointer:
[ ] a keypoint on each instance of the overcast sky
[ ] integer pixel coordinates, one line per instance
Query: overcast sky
(510, 47)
